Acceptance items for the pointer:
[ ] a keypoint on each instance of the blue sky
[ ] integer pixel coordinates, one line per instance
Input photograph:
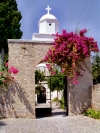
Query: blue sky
(68, 12)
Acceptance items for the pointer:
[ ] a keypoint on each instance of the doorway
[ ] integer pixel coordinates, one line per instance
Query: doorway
(41, 96)
(45, 107)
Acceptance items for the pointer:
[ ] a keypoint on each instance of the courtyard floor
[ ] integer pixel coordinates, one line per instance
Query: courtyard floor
(58, 123)
(70, 124)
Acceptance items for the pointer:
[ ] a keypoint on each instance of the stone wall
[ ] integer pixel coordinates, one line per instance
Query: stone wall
(79, 96)
(96, 97)
(21, 56)
(19, 100)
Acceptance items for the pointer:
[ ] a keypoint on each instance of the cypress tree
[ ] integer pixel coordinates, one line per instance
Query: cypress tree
(9, 22)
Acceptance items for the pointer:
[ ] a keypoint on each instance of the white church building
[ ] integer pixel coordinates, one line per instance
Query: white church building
(48, 25)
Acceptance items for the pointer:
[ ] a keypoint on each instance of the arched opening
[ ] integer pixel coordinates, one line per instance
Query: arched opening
(41, 96)
(50, 100)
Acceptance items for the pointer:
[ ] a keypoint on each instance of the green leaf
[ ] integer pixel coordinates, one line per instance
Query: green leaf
(9, 22)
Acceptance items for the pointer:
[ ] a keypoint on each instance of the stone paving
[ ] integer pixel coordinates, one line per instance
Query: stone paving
(70, 124)
(56, 124)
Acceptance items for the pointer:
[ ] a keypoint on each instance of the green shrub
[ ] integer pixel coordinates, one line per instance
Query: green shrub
(55, 99)
(92, 113)
(62, 103)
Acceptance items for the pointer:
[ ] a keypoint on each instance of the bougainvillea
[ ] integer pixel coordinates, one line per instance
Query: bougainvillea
(6, 75)
(68, 50)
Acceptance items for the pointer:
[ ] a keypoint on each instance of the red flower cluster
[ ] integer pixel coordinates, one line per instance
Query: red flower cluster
(13, 70)
(5, 75)
(68, 49)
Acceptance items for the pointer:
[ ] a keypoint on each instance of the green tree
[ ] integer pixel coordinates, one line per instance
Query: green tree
(9, 22)
(39, 77)
(56, 82)
(96, 67)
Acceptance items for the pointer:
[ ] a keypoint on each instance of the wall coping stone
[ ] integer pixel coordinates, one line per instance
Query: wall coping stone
(20, 41)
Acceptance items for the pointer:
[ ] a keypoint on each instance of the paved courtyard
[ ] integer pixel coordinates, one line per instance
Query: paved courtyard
(55, 124)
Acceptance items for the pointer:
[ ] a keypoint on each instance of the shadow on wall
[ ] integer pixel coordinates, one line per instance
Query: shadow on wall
(15, 102)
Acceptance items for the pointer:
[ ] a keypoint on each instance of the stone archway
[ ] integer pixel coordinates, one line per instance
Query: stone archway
(25, 55)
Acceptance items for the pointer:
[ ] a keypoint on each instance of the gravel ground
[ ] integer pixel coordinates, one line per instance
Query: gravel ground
(58, 124)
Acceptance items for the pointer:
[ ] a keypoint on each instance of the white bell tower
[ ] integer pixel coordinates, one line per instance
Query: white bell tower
(48, 25)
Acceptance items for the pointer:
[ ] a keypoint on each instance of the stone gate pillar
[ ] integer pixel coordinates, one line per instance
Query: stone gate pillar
(22, 91)
(80, 96)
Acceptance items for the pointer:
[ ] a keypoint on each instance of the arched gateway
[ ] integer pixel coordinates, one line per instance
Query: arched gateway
(25, 55)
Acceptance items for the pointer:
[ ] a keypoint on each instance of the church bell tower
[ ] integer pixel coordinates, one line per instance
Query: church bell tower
(48, 25)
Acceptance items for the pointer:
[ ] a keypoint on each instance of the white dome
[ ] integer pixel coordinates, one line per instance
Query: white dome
(42, 65)
(47, 16)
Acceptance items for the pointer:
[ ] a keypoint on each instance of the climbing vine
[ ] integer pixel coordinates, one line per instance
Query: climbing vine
(68, 50)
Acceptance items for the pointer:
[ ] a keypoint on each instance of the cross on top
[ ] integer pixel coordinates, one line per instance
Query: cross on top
(48, 9)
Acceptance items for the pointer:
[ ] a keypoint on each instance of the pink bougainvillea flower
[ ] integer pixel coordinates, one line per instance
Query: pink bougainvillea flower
(13, 70)
(53, 72)
(4, 80)
(63, 71)
(67, 50)
(6, 64)
(46, 58)
(76, 83)
(48, 66)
